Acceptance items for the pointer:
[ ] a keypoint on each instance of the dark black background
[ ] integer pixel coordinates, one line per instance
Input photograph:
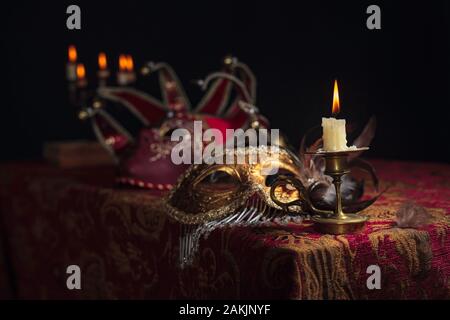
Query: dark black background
(296, 49)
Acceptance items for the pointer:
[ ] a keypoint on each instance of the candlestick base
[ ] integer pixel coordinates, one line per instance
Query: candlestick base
(348, 223)
(337, 221)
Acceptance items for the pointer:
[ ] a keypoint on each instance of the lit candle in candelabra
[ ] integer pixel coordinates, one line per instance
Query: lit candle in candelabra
(103, 72)
(71, 73)
(334, 135)
(122, 74)
(81, 76)
(130, 69)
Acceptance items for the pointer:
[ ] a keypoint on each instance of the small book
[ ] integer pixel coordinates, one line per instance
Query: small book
(77, 153)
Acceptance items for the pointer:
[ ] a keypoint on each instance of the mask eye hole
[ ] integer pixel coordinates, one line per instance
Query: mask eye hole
(212, 189)
(221, 177)
(270, 179)
(218, 181)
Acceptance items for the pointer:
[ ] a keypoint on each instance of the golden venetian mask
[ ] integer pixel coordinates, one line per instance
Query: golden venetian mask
(235, 190)
(208, 192)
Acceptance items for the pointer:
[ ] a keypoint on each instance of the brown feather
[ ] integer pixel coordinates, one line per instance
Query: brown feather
(366, 136)
(365, 166)
(411, 215)
(304, 157)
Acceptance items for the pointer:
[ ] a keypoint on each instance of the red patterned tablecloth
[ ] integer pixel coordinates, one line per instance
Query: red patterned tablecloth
(126, 247)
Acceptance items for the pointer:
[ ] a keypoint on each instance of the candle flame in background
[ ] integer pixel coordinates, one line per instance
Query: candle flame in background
(336, 106)
(81, 71)
(130, 63)
(123, 63)
(102, 62)
(72, 53)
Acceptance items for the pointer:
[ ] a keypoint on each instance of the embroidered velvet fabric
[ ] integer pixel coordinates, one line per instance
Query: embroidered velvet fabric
(127, 247)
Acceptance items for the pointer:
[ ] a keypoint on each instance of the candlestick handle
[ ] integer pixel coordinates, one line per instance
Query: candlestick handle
(304, 194)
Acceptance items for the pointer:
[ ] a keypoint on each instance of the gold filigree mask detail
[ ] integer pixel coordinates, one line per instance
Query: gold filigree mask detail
(211, 192)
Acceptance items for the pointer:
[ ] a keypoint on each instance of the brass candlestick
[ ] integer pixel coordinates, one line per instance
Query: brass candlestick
(337, 221)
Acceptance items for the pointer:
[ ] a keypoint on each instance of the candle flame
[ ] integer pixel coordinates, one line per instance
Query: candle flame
(72, 53)
(123, 62)
(81, 71)
(102, 62)
(130, 63)
(336, 106)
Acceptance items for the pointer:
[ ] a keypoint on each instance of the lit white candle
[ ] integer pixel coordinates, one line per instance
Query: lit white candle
(122, 74)
(81, 76)
(71, 68)
(130, 69)
(334, 135)
(103, 72)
